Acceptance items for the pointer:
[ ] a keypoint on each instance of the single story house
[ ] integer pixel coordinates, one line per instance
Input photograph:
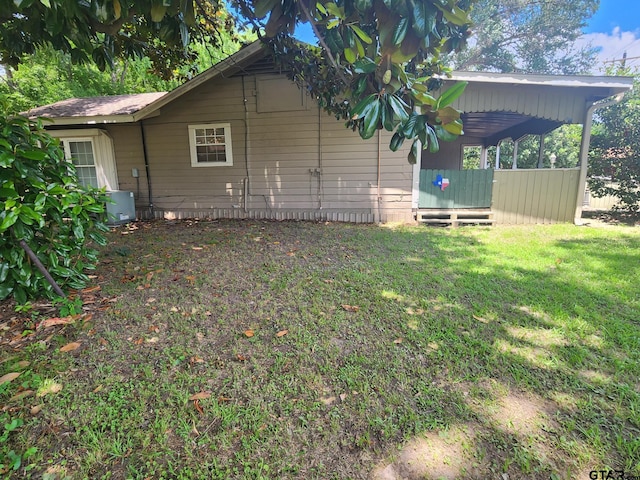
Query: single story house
(242, 141)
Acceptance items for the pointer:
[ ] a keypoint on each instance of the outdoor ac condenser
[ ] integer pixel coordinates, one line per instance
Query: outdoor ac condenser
(121, 209)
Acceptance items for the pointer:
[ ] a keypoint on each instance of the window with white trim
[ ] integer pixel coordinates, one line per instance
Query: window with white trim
(81, 154)
(91, 151)
(210, 145)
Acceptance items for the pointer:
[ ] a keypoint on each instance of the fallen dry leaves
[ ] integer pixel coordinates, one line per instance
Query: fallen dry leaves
(282, 333)
(9, 377)
(249, 333)
(200, 396)
(350, 308)
(51, 322)
(69, 347)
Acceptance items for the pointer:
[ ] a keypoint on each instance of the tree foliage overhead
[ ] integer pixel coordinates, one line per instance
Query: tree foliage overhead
(374, 66)
(100, 31)
(614, 157)
(528, 36)
(48, 76)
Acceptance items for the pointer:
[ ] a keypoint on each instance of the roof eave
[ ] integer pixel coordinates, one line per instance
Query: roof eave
(95, 120)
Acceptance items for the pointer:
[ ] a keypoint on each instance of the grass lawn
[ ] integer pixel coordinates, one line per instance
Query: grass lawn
(246, 349)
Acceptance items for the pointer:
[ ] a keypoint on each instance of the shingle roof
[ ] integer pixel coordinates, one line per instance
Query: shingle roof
(96, 106)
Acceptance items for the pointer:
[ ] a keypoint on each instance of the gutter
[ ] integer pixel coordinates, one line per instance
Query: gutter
(584, 152)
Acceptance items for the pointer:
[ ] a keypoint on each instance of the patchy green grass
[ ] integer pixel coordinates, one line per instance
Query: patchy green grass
(300, 350)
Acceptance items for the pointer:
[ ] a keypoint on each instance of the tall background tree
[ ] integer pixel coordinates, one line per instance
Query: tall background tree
(47, 75)
(528, 36)
(614, 158)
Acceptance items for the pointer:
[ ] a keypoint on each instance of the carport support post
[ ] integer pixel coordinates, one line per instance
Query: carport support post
(541, 152)
(584, 153)
(484, 164)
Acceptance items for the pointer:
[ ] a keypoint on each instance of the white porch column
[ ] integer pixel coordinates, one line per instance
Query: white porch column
(584, 152)
(415, 187)
(514, 165)
(484, 160)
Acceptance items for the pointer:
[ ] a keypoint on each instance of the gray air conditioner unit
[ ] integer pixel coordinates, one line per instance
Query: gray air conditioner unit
(121, 209)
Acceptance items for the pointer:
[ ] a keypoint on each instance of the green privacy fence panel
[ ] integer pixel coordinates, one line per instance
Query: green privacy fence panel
(466, 189)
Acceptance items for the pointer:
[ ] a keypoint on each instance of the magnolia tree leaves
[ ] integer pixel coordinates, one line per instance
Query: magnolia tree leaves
(98, 31)
(376, 66)
(43, 205)
(377, 61)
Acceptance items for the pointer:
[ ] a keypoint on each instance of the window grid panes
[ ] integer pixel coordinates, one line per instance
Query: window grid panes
(81, 154)
(210, 145)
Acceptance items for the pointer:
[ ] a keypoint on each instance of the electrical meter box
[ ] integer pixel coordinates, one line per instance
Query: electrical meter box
(121, 209)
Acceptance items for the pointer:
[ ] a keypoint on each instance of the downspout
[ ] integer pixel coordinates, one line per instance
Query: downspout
(584, 152)
(320, 173)
(247, 185)
(415, 178)
(146, 169)
(378, 197)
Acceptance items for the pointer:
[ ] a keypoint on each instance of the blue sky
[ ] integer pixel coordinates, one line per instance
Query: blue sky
(615, 13)
(615, 29)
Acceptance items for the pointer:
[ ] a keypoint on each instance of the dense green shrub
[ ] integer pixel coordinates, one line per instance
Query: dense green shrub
(42, 203)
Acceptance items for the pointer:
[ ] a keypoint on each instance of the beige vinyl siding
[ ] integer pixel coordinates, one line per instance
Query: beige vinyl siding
(535, 195)
(127, 142)
(599, 203)
(176, 184)
(301, 163)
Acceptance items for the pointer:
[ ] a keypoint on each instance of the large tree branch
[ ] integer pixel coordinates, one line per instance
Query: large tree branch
(110, 28)
(335, 64)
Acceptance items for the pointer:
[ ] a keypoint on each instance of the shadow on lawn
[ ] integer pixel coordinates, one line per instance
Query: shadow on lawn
(558, 349)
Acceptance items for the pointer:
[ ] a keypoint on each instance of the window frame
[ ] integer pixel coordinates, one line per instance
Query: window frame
(67, 153)
(227, 144)
(103, 152)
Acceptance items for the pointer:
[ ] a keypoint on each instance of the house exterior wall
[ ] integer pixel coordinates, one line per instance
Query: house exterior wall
(129, 154)
(286, 164)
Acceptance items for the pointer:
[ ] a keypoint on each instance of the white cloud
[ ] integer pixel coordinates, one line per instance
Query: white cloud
(612, 46)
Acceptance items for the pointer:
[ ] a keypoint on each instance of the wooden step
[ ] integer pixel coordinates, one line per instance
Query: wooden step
(455, 217)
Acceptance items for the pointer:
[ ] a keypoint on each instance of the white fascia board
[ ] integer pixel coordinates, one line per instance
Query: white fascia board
(88, 120)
